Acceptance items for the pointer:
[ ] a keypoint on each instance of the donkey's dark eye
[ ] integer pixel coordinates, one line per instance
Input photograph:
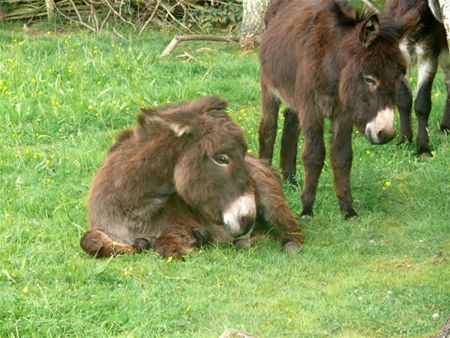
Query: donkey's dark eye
(370, 80)
(221, 159)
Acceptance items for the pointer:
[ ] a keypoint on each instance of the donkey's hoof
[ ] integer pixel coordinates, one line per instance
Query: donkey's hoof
(445, 128)
(291, 247)
(307, 213)
(202, 235)
(291, 180)
(350, 214)
(424, 152)
(142, 243)
(242, 243)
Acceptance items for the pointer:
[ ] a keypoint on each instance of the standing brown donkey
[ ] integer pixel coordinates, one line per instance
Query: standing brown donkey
(181, 179)
(323, 60)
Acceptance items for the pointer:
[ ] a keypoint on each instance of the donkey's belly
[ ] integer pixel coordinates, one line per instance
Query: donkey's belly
(283, 96)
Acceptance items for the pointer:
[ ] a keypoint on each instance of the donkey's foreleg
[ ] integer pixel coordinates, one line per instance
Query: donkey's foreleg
(313, 157)
(97, 243)
(268, 124)
(276, 212)
(272, 205)
(445, 122)
(289, 144)
(427, 66)
(341, 161)
(404, 104)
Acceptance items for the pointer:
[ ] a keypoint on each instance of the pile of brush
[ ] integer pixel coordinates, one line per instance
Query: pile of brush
(94, 14)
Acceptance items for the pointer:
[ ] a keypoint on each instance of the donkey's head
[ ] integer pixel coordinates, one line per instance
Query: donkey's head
(367, 87)
(210, 173)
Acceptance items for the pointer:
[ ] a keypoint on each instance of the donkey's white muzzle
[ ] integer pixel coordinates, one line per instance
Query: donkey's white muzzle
(381, 129)
(239, 218)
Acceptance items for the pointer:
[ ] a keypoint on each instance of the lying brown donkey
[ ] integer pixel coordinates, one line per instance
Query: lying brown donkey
(180, 179)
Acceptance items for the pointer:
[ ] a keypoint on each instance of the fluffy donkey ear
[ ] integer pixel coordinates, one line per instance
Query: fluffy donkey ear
(206, 104)
(181, 122)
(369, 30)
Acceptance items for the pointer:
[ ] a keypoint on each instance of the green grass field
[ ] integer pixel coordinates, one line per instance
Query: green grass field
(64, 97)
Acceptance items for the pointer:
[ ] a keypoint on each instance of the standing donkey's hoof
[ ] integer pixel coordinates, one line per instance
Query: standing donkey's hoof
(445, 128)
(424, 151)
(290, 179)
(307, 213)
(350, 214)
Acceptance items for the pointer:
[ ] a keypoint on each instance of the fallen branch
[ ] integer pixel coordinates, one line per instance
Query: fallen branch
(445, 331)
(171, 46)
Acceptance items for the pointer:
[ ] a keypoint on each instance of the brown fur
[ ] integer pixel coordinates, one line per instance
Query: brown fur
(164, 184)
(316, 57)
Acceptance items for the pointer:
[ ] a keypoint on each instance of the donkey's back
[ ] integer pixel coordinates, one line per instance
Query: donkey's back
(301, 38)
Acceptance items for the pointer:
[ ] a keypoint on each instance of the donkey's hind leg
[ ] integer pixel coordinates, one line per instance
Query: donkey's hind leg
(427, 66)
(289, 144)
(404, 104)
(268, 123)
(97, 243)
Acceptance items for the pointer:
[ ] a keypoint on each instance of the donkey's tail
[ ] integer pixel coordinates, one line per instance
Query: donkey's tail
(97, 243)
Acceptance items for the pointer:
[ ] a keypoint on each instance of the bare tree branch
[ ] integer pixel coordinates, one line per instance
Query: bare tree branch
(151, 17)
(81, 22)
(445, 331)
(179, 38)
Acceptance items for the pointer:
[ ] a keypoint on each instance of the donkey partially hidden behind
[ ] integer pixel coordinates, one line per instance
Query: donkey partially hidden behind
(323, 60)
(424, 45)
(181, 179)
